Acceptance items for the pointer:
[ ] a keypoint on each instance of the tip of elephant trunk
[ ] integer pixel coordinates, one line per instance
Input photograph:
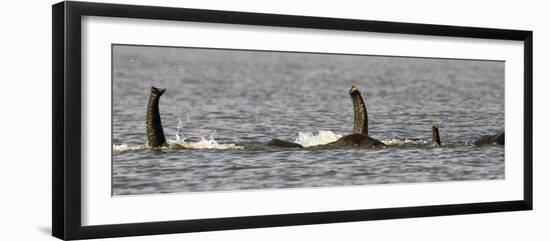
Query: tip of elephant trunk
(156, 90)
(353, 90)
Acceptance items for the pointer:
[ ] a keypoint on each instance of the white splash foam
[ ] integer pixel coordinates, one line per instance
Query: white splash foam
(125, 147)
(202, 144)
(179, 129)
(397, 142)
(308, 139)
(179, 143)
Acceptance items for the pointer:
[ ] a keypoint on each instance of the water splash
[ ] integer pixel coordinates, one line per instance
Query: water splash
(308, 139)
(179, 135)
(406, 141)
(125, 148)
(180, 143)
(171, 111)
(419, 142)
(204, 143)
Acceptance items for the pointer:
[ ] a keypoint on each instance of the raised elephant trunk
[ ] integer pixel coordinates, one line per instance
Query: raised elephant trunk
(155, 133)
(360, 122)
(435, 134)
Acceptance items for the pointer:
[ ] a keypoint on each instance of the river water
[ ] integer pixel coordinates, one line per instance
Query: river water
(221, 106)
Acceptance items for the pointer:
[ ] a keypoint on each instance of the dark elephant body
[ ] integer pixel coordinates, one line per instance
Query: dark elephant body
(490, 139)
(357, 140)
(283, 143)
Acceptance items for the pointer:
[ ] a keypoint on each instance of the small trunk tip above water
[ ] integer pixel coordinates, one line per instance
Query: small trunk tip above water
(435, 134)
(353, 89)
(157, 91)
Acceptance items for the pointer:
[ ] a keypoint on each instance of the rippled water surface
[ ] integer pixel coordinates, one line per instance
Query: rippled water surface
(221, 106)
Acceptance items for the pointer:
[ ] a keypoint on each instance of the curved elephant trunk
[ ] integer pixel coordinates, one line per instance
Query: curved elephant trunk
(155, 133)
(360, 122)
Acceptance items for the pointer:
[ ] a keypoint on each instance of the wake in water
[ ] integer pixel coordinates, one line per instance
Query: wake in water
(180, 143)
(204, 143)
(125, 148)
(306, 139)
(309, 139)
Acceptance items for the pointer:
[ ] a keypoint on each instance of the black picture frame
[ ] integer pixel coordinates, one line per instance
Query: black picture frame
(66, 127)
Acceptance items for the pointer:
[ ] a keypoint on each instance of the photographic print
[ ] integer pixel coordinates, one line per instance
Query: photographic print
(201, 119)
(285, 119)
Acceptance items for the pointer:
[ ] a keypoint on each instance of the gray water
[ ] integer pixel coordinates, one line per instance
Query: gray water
(238, 100)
